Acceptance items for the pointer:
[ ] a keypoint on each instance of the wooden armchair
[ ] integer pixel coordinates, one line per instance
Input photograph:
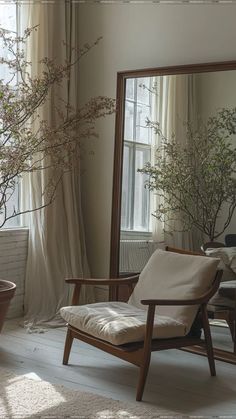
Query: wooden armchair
(163, 305)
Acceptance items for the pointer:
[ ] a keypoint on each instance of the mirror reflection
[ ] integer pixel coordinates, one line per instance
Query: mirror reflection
(171, 102)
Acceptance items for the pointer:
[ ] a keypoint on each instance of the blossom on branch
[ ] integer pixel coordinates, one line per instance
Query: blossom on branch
(28, 143)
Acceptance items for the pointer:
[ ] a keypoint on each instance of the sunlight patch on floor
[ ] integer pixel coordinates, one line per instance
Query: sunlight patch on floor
(20, 395)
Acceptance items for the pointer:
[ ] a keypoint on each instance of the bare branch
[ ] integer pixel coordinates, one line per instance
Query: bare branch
(28, 143)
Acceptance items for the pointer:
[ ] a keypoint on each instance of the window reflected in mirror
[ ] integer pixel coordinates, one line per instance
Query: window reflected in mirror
(135, 212)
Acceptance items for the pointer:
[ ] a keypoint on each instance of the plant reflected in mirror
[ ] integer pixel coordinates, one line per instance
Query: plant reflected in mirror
(194, 179)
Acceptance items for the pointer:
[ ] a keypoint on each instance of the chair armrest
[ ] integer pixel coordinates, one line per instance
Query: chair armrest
(102, 281)
(78, 282)
(156, 302)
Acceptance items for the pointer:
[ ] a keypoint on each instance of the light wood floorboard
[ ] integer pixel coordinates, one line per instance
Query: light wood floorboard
(177, 380)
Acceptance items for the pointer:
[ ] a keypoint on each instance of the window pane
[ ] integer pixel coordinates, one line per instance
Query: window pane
(137, 151)
(8, 22)
(143, 90)
(142, 132)
(12, 206)
(8, 16)
(141, 194)
(129, 89)
(129, 121)
(126, 188)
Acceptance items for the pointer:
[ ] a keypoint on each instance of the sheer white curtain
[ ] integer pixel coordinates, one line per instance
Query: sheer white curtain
(175, 104)
(56, 236)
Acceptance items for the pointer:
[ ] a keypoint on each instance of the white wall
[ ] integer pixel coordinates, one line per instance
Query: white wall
(216, 90)
(137, 36)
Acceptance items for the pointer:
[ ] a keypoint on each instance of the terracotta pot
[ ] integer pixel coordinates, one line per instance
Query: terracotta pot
(7, 291)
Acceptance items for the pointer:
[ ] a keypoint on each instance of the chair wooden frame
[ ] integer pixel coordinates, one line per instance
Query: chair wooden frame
(230, 317)
(139, 353)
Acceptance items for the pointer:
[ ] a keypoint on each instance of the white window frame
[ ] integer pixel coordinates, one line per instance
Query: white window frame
(133, 145)
(15, 222)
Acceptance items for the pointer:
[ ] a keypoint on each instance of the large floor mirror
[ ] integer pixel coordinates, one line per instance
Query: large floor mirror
(173, 97)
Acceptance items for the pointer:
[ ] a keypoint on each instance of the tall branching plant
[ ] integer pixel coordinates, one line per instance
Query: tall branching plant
(197, 180)
(24, 148)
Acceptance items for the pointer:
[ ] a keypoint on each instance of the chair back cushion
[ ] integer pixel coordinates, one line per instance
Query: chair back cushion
(170, 275)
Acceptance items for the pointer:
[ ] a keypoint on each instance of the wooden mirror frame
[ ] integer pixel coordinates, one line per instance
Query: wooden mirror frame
(118, 157)
(119, 131)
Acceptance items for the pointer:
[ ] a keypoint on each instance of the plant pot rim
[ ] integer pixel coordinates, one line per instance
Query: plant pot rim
(5, 286)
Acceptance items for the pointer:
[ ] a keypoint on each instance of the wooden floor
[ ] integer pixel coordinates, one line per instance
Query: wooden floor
(177, 380)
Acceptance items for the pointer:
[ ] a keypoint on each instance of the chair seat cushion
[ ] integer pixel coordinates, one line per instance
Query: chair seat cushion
(119, 323)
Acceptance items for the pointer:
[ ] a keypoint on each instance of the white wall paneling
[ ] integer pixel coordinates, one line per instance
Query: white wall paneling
(13, 254)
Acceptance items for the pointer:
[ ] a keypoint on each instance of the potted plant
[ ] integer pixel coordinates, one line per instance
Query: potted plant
(24, 148)
(7, 291)
(196, 181)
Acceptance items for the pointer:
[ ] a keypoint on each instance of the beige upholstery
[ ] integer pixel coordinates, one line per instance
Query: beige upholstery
(169, 275)
(224, 298)
(119, 323)
(227, 257)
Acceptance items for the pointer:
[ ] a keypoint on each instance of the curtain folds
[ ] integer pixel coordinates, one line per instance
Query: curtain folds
(175, 104)
(56, 236)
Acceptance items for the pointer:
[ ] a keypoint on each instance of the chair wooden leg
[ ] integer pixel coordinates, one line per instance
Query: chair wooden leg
(231, 320)
(234, 334)
(68, 343)
(208, 340)
(147, 349)
(231, 326)
(143, 372)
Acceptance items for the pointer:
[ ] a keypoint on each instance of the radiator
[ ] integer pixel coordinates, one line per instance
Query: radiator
(134, 254)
